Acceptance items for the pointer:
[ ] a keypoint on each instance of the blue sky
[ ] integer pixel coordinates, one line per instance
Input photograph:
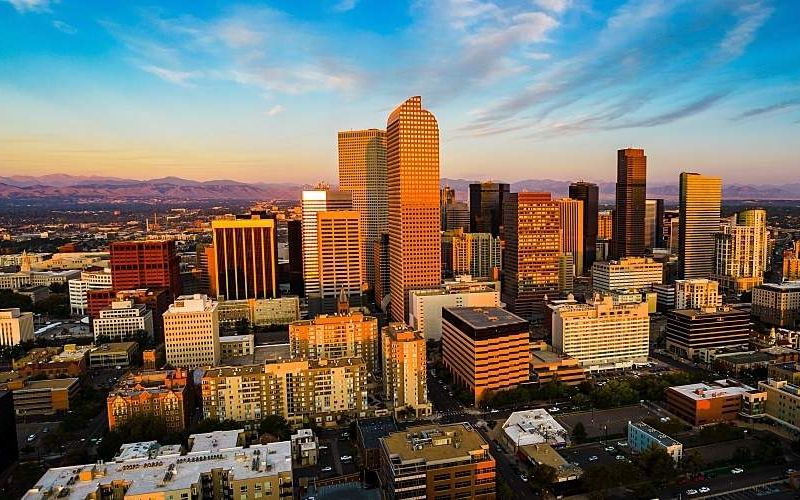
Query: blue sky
(522, 89)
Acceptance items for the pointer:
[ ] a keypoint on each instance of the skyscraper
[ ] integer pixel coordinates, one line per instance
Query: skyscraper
(588, 193)
(740, 252)
(341, 268)
(145, 264)
(628, 237)
(654, 224)
(531, 258)
(454, 214)
(245, 255)
(486, 206)
(294, 230)
(362, 172)
(412, 160)
(700, 198)
(313, 202)
(572, 239)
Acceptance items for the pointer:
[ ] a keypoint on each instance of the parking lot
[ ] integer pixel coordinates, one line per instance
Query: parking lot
(595, 454)
(600, 423)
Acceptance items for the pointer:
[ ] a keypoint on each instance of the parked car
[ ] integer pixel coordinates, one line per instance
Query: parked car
(326, 469)
(346, 458)
(737, 470)
(704, 489)
(609, 449)
(524, 478)
(620, 457)
(593, 458)
(691, 492)
(554, 409)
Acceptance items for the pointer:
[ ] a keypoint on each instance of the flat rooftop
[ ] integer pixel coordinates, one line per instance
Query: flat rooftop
(548, 356)
(56, 383)
(656, 434)
(435, 443)
(534, 427)
(236, 338)
(694, 313)
(486, 317)
(717, 389)
(786, 286)
(215, 441)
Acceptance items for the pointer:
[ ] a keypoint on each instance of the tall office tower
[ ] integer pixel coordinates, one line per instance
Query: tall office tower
(381, 265)
(404, 370)
(628, 240)
(486, 207)
(454, 214)
(791, 262)
(531, 258)
(476, 254)
(362, 172)
(654, 224)
(412, 159)
(145, 264)
(313, 202)
(572, 237)
(605, 225)
(294, 233)
(348, 335)
(740, 251)
(191, 332)
(566, 272)
(589, 194)
(700, 198)
(245, 255)
(447, 196)
(341, 269)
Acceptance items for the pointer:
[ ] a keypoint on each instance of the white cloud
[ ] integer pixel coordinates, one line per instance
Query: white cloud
(30, 5)
(345, 5)
(182, 78)
(64, 27)
(557, 6)
(275, 110)
(751, 17)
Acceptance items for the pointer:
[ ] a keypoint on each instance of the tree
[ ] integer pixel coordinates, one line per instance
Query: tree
(275, 425)
(544, 475)
(691, 464)
(657, 465)
(579, 433)
(9, 299)
(58, 287)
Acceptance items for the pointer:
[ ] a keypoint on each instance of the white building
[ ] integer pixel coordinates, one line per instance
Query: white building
(602, 334)
(233, 346)
(79, 288)
(15, 326)
(642, 436)
(24, 279)
(122, 320)
(626, 274)
(425, 306)
(191, 332)
(777, 304)
(533, 427)
(280, 311)
(314, 202)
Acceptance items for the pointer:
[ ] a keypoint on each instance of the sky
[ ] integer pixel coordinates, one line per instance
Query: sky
(525, 89)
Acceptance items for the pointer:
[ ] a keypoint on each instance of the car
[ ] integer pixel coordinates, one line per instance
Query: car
(554, 409)
(622, 443)
(32, 438)
(450, 394)
(737, 470)
(664, 419)
(620, 457)
(691, 492)
(704, 489)
(345, 434)
(326, 469)
(593, 458)
(494, 410)
(524, 478)
(323, 447)
(346, 458)
(609, 449)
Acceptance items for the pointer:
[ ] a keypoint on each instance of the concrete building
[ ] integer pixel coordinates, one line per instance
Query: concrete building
(690, 330)
(602, 334)
(777, 304)
(791, 263)
(348, 335)
(380, 261)
(486, 207)
(531, 257)
(79, 288)
(245, 262)
(475, 254)
(145, 264)
(114, 355)
(122, 320)
(437, 461)
(305, 447)
(632, 273)
(572, 240)
(280, 311)
(339, 254)
(588, 193)
(314, 202)
(547, 366)
(163, 393)
(605, 224)
(299, 390)
(362, 173)
(43, 397)
(629, 215)
(412, 161)
(191, 332)
(405, 370)
(485, 348)
(720, 401)
(782, 403)
(234, 346)
(696, 293)
(258, 471)
(642, 437)
(425, 306)
(740, 251)
(654, 224)
(700, 200)
(15, 326)
(533, 427)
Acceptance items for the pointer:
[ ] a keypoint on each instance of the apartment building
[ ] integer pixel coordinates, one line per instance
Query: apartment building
(191, 332)
(777, 304)
(642, 437)
(337, 336)
(163, 393)
(405, 370)
(626, 273)
(475, 254)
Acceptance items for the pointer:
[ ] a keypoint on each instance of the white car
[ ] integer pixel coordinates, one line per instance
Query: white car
(554, 409)
(622, 443)
(609, 449)
(704, 489)
(493, 410)
(326, 469)
(691, 492)
(346, 458)
(620, 457)
(737, 470)
(593, 458)
(524, 478)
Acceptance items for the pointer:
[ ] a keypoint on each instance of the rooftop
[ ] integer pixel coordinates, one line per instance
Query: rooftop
(215, 441)
(192, 304)
(534, 427)
(786, 286)
(716, 389)
(709, 311)
(237, 338)
(659, 436)
(487, 317)
(56, 383)
(436, 443)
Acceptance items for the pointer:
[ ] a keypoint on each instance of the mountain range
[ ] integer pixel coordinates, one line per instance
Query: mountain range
(115, 189)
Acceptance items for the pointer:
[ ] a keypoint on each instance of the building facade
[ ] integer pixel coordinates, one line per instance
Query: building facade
(405, 370)
(336, 336)
(15, 326)
(475, 254)
(708, 403)
(777, 304)
(339, 253)
(79, 288)
(589, 194)
(191, 332)
(122, 320)
(629, 215)
(700, 201)
(425, 306)
(642, 437)
(165, 394)
(654, 224)
(572, 240)
(486, 201)
(696, 293)
(740, 252)
(690, 330)
(245, 257)
(145, 264)
(631, 273)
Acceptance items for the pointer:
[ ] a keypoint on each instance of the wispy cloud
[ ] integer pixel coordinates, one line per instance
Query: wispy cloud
(275, 110)
(183, 78)
(345, 5)
(64, 27)
(557, 6)
(751, 16)
(30, 5)
(763, 110)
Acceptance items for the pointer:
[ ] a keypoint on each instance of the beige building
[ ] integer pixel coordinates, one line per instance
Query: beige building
(336, 336)
(696, 293)
(234, 346)
(280, 311)
(572, 231)
(412, 163)
(475, 254)
(627, 273)
(113, 355)
(15, 326)
(362, 172)
(783, 403)
(44, 397)
(791, 262)
(339, 253)
(122, 320)
(741, 251)
(191, 332)
(602, 334)
(777, 304)
(404, 370)
(314, 202)
(700, 201)
(299, 390)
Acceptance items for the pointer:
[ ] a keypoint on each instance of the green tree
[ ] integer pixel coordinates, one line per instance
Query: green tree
(579, 433)
(544, 475)
(9, 299)
(691, 463)
(276, 426)
(657, 465)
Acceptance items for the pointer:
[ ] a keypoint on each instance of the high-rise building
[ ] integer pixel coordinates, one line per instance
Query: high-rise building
(412, 160)
(15, 327)
(163, 393)
(381, 263)
(692, 330)
(589, 194)
(339, 255)
(245, 257)
(485, 348)
(476, 254)
(349, 335)
(294, 236)
(99, 279)
(314, 202)
(454, 214)
(602, 334)
(628, 238)
(191, 332)
(630, 273)
(486, 201)
(740, 251)
(437, 461)
(362, 172)
(572, 238)
(145, 264)
(531, 257)
(791, 262)
(654, 224)
(405, 370)
(700, 199)
(605, 225)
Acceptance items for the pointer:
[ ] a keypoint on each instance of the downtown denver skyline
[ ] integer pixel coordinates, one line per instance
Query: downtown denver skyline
(256, 91)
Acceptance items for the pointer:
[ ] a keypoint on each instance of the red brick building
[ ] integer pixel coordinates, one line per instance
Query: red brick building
(145, 264)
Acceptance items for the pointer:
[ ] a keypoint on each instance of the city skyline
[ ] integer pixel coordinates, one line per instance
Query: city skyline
(258, 92)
